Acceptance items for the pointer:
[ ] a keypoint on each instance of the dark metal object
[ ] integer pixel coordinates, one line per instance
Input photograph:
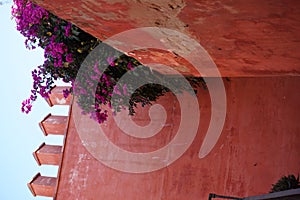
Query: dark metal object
(293, 194)
(211, 196)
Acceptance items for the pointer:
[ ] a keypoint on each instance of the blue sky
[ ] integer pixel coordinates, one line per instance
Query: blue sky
(20, 133)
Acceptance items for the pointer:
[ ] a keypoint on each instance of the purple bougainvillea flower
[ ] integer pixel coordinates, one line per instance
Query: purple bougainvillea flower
(99, 115)
(69, 58)
(66, 93)
(111, 61)
(26, 106)
(68, 29)
(129, 66)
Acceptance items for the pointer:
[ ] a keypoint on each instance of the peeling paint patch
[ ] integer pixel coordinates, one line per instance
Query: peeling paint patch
(157, 13)
(73, 176)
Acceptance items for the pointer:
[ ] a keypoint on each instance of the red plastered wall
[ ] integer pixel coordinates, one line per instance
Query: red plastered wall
(258, 145)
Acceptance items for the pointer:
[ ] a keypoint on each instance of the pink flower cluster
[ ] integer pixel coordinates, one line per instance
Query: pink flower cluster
(26, 106)
(41, 28)
(56, 51)
(28, 17)
(105, 88)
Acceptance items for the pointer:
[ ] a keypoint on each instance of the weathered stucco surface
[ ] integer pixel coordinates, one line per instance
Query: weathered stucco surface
(255, 42)
(258, 145)
(244, 38)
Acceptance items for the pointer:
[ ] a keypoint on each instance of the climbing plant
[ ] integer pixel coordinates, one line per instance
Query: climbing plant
(65, 48)
(286, 183)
